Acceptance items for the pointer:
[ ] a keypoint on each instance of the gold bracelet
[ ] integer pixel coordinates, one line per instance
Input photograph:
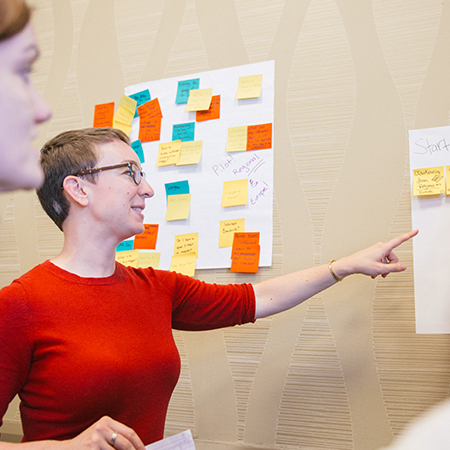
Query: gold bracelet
(332, 271)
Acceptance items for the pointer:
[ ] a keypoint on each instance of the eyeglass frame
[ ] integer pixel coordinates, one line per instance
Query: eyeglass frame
(116, 166)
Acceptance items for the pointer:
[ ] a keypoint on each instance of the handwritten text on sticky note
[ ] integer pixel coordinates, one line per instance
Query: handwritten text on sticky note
(429, 181)
(227, 229)
(178, 207)
(169, 153)
(147, 239)
(190, 153)
(234, 193)
(184, 263)
(249, 87)
(186, 243)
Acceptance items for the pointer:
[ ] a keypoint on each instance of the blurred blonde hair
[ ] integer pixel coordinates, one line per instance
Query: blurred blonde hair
(14, 15)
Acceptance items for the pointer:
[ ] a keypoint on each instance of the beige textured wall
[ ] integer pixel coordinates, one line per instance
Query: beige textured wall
(345, 370)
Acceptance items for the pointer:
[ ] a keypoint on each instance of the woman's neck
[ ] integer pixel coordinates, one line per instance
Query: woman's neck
(87, 258)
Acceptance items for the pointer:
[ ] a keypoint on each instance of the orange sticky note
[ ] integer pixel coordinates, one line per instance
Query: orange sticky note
(212, 113)
(259, 137)
(246, 238)
(245, 253)
(150, 121)
(103, 115)
(147, 239)
(150, 130)
(150, 109)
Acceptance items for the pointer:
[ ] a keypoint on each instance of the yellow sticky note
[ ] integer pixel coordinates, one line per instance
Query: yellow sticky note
(178, 207)
(184, 263)
(447, 177)
(199, 99)
(124, 114)
(234, 193)
(128, 258)
(249, 87)
(186, 243)
(149, 259)
(237, 139)
(190, 153)
(169, 153)
(129, 103)
(429, 181)
(227, 230)
(122, 126)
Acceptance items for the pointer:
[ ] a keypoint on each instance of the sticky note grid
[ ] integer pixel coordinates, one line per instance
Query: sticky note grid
(214, 131)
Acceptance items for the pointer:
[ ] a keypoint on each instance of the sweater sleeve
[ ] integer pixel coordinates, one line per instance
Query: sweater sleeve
(15, 349)
(203, 306)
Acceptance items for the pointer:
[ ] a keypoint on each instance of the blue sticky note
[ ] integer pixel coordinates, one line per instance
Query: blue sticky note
(184, 132)
(125, 245)
(177, 188)
(141, 98)
(184, 87)
(137, 147)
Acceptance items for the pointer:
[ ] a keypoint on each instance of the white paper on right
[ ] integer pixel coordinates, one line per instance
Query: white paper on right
(430, 147)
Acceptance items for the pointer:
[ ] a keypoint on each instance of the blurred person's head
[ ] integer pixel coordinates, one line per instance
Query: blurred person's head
(21, 107)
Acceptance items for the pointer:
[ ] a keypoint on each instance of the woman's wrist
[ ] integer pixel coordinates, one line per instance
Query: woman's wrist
(340, 268)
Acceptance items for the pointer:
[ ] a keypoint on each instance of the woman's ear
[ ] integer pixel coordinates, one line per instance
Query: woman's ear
(73, 186)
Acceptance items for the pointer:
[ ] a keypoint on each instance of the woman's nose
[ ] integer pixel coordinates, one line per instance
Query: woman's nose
(145, 190)
(42, 111)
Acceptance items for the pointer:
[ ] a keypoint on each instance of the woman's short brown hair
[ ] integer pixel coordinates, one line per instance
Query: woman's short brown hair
(66, 154)
(14, 15)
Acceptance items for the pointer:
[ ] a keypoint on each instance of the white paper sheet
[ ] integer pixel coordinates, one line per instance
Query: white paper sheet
(180, 441)
(216, 165)
(431, 247)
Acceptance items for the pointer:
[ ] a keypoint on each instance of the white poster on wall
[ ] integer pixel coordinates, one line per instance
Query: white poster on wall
(430, 149)
(204, 181)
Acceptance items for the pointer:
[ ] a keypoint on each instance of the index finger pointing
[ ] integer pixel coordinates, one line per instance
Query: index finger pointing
(393, 243)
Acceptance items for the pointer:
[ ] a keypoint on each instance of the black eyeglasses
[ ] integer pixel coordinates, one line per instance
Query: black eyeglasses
(135, 171)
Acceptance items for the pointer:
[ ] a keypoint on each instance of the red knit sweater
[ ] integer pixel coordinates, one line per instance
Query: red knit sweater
(76, 349)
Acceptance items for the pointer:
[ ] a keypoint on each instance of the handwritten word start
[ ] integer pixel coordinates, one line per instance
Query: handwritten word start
(431, 148)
